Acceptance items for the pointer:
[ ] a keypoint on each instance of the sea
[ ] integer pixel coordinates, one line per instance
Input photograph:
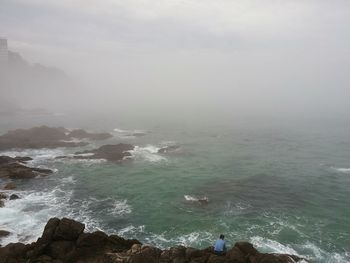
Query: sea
(282, 185)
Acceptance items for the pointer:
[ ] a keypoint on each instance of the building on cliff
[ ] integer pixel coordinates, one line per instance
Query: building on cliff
(3, 51)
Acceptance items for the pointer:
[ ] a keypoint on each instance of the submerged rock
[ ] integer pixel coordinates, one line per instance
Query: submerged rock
(64, 241)
(14, 168)
(14, 197)
(169, 149)
(114, 153)
(46, 137)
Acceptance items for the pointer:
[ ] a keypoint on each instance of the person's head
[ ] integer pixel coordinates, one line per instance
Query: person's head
(222, 236)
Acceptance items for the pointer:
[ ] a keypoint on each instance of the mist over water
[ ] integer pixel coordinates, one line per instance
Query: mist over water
(253, 97)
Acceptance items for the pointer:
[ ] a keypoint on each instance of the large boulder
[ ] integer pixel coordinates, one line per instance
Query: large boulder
(68, 229)
(114, 153)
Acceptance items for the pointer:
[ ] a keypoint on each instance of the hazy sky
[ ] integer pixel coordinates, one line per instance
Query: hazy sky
(245, 56)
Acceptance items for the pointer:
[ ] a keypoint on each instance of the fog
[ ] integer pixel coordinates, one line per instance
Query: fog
(184, 59)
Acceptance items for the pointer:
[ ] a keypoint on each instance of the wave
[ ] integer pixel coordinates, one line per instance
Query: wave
(307, 250)
(120, 208)
(201, 199)
(127, 134)
(36, 154)
(148, 153)
(26, 217)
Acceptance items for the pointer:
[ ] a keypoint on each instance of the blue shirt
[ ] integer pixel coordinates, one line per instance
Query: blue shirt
(219, 245)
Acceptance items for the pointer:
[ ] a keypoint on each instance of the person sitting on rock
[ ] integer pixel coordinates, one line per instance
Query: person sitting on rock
(220, 246)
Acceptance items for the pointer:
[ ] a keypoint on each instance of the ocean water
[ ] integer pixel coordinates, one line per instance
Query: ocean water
(285, 188)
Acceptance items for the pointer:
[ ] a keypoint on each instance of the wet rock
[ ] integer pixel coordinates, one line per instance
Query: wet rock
(4, 233)
(10, 186)
(14, 197)
(114, 153)
(2, 204)
(3, 196)
(14, 168)
(81, 134)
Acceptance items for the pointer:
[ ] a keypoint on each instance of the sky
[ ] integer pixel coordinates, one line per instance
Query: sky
(245, 57)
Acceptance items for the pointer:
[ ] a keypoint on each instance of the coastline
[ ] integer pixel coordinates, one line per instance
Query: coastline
(64, 240)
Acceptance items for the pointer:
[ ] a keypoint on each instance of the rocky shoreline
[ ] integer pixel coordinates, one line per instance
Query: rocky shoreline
(64, 241)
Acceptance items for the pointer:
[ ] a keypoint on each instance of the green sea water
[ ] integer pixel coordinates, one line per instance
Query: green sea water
(283, 187)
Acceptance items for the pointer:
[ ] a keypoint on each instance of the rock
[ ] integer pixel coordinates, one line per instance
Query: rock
(95, 239)
(60, 249)
(246, 248)
(81, 134)
(3, 196)
(68, 229)
(10, 186)
(144, 254)
(168, 149)
(236, 255)
(2, 204)
(46, 137)
(14, 169)
(4, 233)
(112, 153)
(49, 230)
(63, 241)
(14, 197)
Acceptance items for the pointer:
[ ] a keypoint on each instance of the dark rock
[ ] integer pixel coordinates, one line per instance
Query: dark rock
(4, 233)
(68, 229)
(63, 241)
(236, 255)
(246, 248)
(49, 230)
(13, 252)
(14, 169)
(46, 137)
(81, 134)
(95, 239)
(112, 153)
(3, 196)
(140, 254)
(10, 186)
(2, 204)
(60, 249)
(14, 197)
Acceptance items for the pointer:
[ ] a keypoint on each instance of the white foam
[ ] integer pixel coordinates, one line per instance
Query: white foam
(192, 198)
(308, 250)
(342, 170)
(36, 154)
(120, 208)
(147, 153)
(128, 134)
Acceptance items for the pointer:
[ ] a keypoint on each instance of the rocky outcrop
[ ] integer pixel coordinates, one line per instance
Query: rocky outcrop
(46, 137)
(114, 153)
(81, 134)
(64, 241)
(14, 168)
